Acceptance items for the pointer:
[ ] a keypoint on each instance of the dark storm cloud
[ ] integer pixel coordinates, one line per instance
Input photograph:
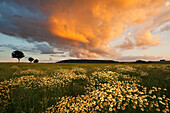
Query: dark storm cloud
(47, 49)
(21, 19)
(42, 47)
(13, 47)
(24, 19)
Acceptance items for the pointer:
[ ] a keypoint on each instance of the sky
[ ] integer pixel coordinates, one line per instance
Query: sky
(54, 30)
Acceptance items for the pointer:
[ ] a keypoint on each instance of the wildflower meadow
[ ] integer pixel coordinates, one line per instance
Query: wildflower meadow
(84, 88)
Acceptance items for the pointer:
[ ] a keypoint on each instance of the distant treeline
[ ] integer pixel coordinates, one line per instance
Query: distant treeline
(87, 61)
(109, 61)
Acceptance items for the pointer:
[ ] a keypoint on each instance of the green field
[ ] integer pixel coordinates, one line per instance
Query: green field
(119, 88)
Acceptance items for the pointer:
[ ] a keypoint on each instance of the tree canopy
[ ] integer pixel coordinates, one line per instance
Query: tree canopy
(36, 61)
(30, 59)
(18, 54)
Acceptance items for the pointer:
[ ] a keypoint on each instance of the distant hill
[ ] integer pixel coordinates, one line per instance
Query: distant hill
(86, 61)
(112, 61)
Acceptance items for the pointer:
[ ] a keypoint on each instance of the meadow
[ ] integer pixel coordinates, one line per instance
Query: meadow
(85, 88)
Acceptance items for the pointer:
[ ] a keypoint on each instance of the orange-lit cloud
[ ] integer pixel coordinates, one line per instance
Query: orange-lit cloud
(126, 45)
(62, 29)
(145, 38)
(86, 27)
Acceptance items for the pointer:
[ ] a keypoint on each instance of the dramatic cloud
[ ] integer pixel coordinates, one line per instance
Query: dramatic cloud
(145, 38)
(84, 28)
(43, 48)
(13, 47)
(47, 49)
(127, 44)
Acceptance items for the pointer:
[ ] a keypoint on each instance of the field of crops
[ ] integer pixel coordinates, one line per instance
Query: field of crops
(119, 88)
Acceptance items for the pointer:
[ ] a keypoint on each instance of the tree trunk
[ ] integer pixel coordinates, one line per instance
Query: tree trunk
(19, 60)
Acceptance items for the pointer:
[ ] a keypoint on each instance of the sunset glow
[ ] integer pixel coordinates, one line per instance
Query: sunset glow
(90, 28)
(84, 56)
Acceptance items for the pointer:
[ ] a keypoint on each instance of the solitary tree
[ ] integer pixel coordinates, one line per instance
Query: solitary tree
(30, 59)
(36, 61)
(18, 54)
